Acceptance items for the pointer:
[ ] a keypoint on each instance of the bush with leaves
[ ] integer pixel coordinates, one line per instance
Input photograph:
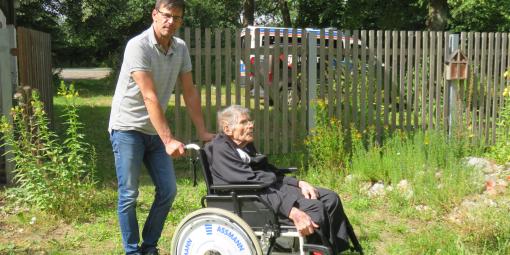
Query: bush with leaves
(326, 143)
(501, 150)
(52, 174)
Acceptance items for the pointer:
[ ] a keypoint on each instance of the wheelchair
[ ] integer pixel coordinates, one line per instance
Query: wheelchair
(234, 220)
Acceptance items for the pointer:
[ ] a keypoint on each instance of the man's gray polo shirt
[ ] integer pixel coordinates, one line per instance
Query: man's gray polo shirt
(144, 54)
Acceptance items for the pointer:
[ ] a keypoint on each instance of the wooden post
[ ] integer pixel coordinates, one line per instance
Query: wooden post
(312, 79)
(453, 45)
(7, 42)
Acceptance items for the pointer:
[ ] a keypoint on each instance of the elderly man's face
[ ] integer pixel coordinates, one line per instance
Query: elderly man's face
(242, 132)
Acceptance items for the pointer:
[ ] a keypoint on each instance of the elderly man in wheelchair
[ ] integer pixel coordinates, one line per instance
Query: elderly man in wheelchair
(252, 205)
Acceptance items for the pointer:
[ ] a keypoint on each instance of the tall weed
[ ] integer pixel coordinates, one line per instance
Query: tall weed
(501, 150)
(325, 146)
(429, 160)
(50, 173)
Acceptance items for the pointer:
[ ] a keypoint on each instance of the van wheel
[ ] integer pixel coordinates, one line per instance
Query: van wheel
(292, 95)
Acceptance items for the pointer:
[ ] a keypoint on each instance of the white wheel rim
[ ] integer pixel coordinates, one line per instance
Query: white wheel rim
(214, 235)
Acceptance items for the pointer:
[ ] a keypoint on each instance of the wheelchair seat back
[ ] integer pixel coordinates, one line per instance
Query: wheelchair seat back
(205, 170)
(239, 199)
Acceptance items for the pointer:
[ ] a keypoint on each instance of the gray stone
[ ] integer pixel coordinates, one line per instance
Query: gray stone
(482, 164)
(376, 190)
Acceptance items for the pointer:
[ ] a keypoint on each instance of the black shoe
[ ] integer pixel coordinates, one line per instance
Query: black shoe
(284, 245)
(153, 251)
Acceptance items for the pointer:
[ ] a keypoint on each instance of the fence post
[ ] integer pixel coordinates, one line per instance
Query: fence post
(453, 45)
(6, 82)
(312, 80)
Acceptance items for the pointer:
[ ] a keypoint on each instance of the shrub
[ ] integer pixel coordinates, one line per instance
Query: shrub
(501, 150)
(52, 174)
(429, 160)
(325, 144)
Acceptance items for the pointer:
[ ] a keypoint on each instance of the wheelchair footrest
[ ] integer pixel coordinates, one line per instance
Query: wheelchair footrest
(316, 249)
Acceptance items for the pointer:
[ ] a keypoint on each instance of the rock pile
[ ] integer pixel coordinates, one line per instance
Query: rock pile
(495, 177)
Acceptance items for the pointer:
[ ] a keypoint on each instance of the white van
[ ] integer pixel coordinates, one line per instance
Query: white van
(266, 67)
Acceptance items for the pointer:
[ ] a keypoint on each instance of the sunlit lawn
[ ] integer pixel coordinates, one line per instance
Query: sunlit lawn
(385, 225)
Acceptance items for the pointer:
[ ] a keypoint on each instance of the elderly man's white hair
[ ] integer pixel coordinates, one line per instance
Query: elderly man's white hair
(230, 116)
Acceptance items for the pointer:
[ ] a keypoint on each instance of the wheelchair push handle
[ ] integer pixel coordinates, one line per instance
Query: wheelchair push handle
(193, 160)
(192, 146)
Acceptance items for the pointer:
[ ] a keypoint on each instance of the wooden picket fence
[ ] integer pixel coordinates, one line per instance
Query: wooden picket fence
(34, 64)
(385, 80)
(33, 51)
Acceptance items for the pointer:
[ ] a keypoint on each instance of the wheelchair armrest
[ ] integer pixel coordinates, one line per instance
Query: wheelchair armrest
(238, 187)
(287, 170)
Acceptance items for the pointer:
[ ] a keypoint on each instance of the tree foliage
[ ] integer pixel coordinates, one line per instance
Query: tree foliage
(211, 13)
(385, 15)
(99, 29)
(483, 16)
(94, 32)
(328, 14)
(42, 16)
(437, 18)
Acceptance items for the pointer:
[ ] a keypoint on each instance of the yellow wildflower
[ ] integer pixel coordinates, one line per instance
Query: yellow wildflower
(321, 103)
(506, 92)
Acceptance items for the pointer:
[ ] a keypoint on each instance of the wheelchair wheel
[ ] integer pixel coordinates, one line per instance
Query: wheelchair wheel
(214, 231)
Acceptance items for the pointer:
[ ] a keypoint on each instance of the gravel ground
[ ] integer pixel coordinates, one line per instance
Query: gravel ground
(82, 73)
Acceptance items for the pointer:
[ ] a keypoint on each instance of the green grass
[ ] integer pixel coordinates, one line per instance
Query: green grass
(391, 224)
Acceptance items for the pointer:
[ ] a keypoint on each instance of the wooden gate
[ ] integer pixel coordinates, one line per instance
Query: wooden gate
(34, 64)
(33, 53)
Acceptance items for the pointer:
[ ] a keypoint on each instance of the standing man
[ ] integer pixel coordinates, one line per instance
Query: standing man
(139, 132)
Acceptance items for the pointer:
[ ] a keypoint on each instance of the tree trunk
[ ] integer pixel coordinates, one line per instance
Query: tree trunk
(438, 15)
(249, 13)
(285, 13)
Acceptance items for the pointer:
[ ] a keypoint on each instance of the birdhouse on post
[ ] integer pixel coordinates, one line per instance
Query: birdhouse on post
(456, 66)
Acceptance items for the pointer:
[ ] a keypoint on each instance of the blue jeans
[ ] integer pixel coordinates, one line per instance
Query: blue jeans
(130, 149)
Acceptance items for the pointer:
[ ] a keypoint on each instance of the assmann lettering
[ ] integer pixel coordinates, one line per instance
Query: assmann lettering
(187, 246)
(231, 236)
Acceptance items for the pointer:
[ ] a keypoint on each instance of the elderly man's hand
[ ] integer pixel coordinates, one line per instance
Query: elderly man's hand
(304, 224)
(308, 190)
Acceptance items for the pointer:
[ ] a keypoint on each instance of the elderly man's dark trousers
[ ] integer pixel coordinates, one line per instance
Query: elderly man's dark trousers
(327, 212)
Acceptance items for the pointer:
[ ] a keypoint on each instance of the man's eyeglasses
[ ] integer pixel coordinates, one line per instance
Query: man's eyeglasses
(167, 16)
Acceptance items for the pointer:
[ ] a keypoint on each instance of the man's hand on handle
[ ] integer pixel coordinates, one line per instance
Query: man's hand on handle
(174, 148)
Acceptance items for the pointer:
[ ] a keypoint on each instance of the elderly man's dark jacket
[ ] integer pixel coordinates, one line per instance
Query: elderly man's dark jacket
(282, 192)
(227, 167)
